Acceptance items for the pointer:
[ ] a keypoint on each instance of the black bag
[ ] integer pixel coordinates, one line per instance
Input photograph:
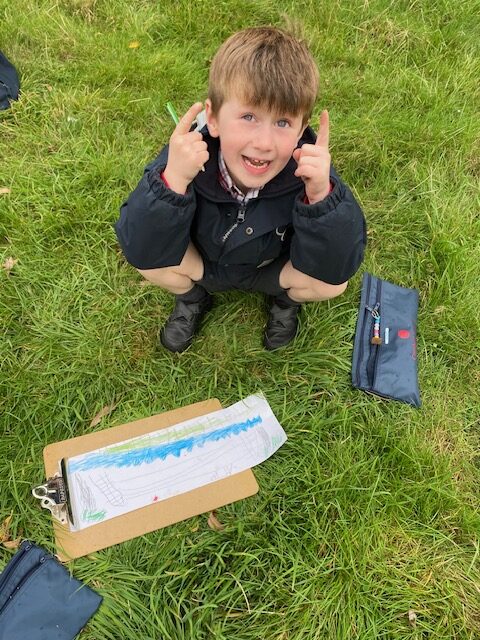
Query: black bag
(385, 351)
(9, 82)
(40, 600)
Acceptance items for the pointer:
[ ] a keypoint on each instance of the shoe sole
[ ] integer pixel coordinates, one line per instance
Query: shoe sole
(269, 347)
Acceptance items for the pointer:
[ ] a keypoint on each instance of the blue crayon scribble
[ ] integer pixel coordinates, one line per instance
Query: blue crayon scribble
(149, 454)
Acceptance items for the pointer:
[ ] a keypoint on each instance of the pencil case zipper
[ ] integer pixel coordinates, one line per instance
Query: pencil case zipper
(7, 89)
(374, 350)
(12, 567)
(28, 576)
(372, 362)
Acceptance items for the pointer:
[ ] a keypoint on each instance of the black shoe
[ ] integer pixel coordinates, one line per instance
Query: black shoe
(183, 323)
(281, 326)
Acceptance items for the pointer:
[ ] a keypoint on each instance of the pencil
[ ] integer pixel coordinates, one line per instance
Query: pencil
(172, 112)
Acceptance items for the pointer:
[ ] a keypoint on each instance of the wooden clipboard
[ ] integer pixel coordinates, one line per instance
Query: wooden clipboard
(71, 545)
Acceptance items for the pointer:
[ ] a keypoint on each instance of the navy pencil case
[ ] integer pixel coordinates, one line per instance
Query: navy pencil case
(384, 358)
(40, 600)
(9, 82)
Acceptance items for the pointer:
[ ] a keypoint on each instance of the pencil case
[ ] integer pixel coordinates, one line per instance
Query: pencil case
(40, 600)
(384, 358)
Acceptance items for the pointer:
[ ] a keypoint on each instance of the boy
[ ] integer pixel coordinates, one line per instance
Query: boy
(249, 202)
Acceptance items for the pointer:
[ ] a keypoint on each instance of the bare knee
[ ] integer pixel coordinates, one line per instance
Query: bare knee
(178, 278)
(168, 278)
(325, 291)
(304, 288)
(160, 277)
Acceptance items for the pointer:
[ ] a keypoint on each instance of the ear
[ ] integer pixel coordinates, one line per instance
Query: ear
(211, 119)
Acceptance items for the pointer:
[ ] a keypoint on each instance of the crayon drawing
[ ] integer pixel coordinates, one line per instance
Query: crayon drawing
(132, 474)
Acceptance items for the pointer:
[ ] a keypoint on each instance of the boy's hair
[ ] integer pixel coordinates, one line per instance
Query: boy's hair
(266, 67)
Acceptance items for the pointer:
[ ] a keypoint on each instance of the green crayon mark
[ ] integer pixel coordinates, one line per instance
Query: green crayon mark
(93, 516)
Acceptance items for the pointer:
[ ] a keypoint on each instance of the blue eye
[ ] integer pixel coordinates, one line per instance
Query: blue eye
(283, 124)
(248, 117)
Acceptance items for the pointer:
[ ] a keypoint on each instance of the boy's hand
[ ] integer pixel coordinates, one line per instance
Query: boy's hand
(187, 152)
(314, 163)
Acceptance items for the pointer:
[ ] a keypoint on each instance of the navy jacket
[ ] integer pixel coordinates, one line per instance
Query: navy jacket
(325, 240)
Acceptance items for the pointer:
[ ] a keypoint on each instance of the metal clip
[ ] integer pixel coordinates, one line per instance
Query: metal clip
(53, 496)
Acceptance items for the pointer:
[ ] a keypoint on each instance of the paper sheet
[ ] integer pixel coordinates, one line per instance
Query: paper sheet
(114, 480)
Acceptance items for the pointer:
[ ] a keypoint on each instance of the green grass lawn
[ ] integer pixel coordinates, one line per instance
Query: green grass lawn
(370, 510)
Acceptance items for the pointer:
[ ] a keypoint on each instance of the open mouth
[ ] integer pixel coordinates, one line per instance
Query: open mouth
(256, 163)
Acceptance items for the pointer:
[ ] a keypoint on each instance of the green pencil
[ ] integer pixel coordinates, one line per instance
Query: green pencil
(172, 112)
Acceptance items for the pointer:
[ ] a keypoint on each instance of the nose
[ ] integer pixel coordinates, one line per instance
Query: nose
(263, 137)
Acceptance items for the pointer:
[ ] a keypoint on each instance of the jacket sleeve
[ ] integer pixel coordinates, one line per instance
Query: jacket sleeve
(154, 225)
(330, 236)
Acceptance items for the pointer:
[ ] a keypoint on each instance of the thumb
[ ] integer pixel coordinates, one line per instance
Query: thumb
(296, 154)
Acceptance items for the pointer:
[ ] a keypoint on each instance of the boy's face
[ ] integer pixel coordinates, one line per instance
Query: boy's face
(256, 144)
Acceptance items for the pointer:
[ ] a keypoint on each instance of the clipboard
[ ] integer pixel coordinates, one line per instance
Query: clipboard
(70, 545)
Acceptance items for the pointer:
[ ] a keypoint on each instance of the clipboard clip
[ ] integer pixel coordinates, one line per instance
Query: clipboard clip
(53, 496)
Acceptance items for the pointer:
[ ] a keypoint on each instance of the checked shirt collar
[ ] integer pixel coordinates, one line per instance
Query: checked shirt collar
(228, 184)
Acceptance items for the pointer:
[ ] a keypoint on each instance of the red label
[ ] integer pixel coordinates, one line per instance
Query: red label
(403, 333)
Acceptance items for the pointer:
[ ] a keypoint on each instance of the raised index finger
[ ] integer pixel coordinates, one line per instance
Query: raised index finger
(323, 134)
(186, 120)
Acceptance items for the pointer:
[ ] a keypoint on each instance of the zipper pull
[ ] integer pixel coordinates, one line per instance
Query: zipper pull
(239, 219)
(376, 339)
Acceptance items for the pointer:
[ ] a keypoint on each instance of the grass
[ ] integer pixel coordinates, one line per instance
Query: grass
(371, 508)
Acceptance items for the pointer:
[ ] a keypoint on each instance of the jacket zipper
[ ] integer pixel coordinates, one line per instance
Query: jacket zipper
(26, 577)
(240, 218)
